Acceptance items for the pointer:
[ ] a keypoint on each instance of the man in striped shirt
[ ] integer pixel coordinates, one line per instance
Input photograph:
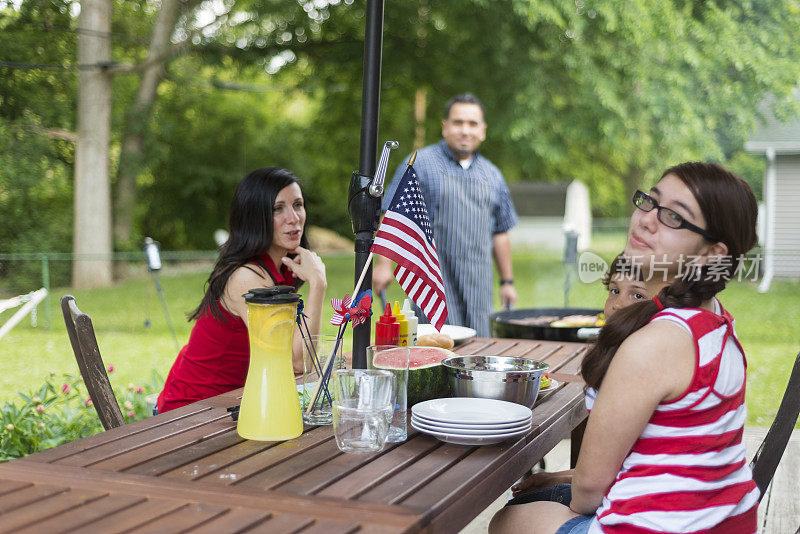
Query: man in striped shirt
(471, 211)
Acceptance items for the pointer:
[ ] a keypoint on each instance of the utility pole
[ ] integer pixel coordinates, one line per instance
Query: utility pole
(92, 231)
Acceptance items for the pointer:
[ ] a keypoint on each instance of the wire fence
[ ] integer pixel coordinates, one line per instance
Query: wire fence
(46, 261)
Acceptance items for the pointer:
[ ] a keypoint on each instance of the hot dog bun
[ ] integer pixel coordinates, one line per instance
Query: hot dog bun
(436, 340)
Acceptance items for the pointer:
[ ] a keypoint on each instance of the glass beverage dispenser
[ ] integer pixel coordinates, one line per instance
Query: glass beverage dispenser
(270, 409)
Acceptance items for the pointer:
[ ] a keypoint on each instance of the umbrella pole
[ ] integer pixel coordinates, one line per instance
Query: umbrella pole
(364, 209)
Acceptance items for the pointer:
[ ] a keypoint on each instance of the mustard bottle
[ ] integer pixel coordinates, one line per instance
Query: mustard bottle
(401, 320)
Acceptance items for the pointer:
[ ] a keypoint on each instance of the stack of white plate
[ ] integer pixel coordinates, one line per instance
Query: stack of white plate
(471, 421)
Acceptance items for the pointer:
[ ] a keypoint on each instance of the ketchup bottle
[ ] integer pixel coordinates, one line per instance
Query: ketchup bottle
(387, 329)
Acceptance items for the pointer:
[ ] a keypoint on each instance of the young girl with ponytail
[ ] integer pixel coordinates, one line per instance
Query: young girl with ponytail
(663, 449)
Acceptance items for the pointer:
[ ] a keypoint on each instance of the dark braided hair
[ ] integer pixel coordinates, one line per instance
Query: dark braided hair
(729, 207)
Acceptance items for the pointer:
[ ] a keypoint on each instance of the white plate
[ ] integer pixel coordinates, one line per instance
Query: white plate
(553, 385)
(502, 427)
(469, 431)
(458, 333)
(470, 440)
(470, 411)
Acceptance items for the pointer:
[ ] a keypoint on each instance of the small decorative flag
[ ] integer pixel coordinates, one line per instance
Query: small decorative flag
(405, 236)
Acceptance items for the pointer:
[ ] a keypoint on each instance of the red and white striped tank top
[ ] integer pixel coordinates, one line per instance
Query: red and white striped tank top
(687, 472)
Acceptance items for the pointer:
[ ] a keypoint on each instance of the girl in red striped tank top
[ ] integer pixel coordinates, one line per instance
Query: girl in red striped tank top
(663, 450)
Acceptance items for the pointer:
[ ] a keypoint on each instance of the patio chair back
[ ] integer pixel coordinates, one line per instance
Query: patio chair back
(768, 456)
(90, 363)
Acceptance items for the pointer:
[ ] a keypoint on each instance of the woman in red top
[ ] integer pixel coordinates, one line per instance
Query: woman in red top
(266, 247)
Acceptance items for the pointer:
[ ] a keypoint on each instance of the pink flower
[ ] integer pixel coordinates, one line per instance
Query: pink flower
(88, 402)
(36, 399)
(139, 389)
(131, 413)
(42, 426)
(110, 368)
(9, 427)
(65, 389)
(128, 405)
(40, 408)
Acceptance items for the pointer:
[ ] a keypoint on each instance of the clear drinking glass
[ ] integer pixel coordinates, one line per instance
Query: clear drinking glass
(322, 345)
(395, 360)
(362, 408)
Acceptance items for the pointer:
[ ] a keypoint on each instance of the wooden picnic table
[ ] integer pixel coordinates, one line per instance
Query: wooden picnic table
(188, 470)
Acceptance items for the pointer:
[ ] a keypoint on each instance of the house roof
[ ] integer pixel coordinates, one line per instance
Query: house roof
(783, 137)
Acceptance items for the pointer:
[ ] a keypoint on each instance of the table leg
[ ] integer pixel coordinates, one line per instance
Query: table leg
(576, 438)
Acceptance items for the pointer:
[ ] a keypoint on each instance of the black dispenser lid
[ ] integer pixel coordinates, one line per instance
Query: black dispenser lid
(272, 295)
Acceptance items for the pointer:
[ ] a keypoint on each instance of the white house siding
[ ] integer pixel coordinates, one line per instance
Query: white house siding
(787, 216)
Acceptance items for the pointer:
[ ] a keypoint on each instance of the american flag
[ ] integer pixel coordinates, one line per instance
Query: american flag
(405, 236)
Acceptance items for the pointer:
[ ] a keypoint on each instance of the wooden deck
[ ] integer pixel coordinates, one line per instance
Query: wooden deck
(779, 512)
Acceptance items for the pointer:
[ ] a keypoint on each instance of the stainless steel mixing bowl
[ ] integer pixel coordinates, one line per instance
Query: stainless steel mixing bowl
(495, 377)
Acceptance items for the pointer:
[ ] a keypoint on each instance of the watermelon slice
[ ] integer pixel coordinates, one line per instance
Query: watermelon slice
(427, 377)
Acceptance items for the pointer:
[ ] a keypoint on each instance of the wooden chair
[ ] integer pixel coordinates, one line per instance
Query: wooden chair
(87, 353)
(768, 456)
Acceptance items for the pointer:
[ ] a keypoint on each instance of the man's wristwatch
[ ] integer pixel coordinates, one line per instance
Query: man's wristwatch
(504, 281)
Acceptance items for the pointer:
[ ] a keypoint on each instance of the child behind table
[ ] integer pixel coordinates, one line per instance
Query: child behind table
(625, 284)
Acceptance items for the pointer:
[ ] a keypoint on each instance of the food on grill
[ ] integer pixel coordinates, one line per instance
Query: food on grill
(542, 320)
(579, 321)
(570, 321)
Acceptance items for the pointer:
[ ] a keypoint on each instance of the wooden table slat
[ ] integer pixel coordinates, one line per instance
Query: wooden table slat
(202, 461)
(283, 524)
(349, 475)
(123, 432)
(140, 439)
(30, 494)
(419, 473)
(7, 486)
(333, 527)
(272, 454)
(388, 465)
(21, 517)
(76, 518)
(182, 518)
(133, 517)
(162, 464)
(293, 467)
(236, 519)
(166, 446)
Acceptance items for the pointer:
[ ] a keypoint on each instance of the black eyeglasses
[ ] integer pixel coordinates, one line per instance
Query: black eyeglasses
(666, 216)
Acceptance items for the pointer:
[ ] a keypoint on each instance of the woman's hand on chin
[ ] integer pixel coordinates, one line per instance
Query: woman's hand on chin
(307, 266)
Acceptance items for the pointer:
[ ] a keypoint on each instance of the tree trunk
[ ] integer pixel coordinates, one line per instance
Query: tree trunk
(130, 162)
(92, 187)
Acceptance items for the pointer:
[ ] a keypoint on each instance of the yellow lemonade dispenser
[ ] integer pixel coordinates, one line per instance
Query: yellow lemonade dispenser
(270, 409)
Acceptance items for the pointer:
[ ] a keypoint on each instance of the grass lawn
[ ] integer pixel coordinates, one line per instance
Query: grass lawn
(766, 324)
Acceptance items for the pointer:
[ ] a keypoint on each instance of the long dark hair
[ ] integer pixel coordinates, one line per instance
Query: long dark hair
(729, 208)
(250, 224)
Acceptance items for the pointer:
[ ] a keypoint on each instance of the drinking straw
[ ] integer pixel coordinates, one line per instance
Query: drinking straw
(340, 334)
(312, 351)
(328, 368)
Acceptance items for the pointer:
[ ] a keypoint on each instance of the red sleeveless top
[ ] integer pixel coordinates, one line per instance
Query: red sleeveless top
(216, 358)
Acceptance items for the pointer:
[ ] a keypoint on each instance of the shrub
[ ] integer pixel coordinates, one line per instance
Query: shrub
(61, 411)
